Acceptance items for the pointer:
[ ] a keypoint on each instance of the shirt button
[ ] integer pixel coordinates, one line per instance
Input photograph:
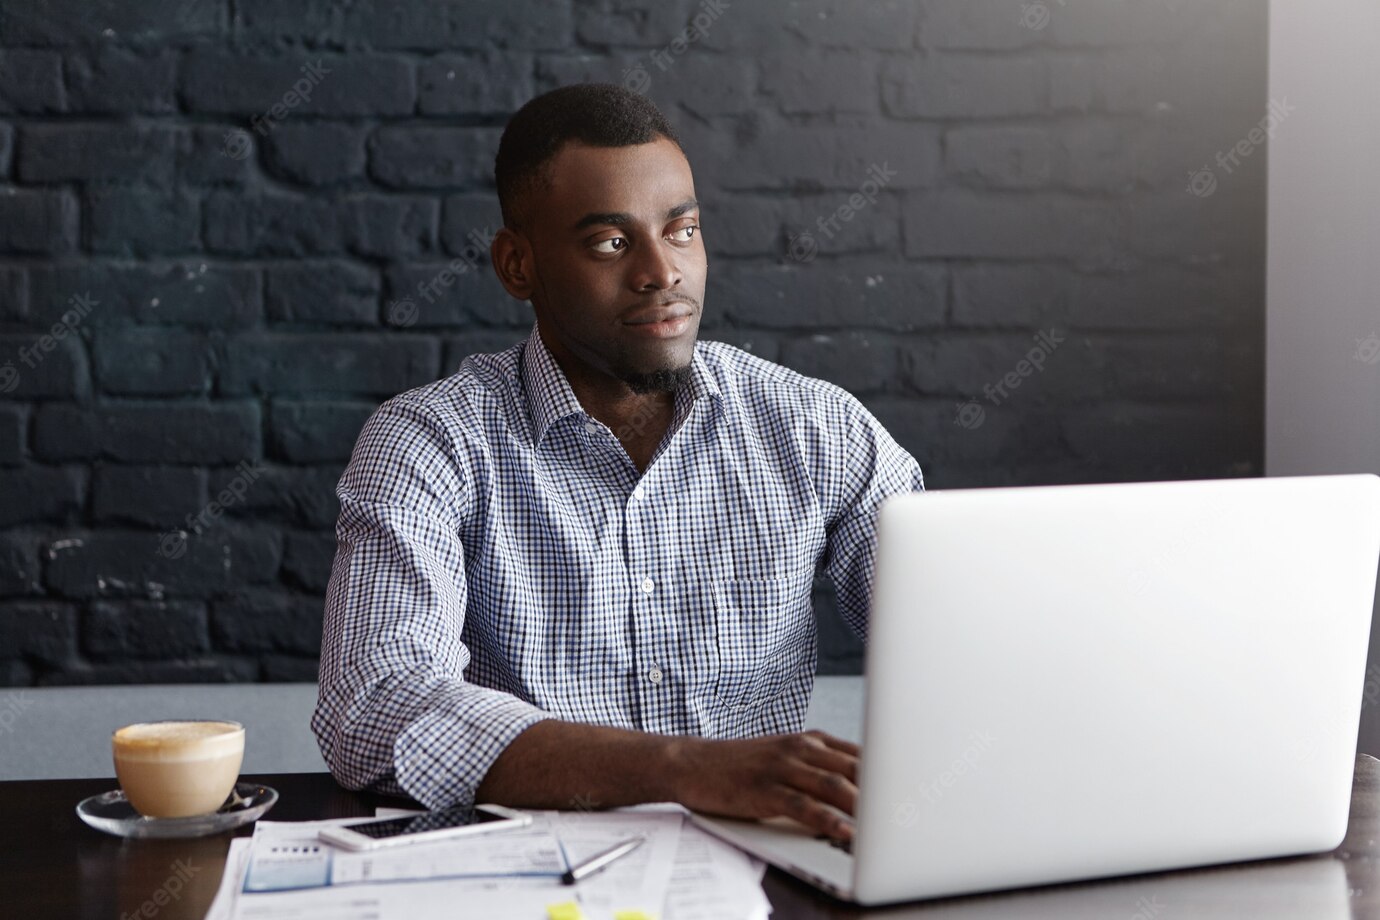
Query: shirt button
(639, 493)
(654, 675)
(648, 586)
(592, 428)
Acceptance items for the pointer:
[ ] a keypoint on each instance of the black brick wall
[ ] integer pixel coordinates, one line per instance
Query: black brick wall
(231, 273)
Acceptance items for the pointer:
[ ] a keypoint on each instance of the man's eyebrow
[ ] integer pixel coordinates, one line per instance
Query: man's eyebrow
(619, 218)
(689, 204)
(603, 217)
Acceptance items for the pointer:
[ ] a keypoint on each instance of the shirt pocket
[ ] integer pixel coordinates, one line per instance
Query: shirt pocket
(761, 627)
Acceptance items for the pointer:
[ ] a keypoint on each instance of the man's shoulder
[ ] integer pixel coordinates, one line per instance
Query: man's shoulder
(755, 379)
(480, 387)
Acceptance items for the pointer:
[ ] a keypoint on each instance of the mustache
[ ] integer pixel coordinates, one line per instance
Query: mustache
(666, 301)
(660, 303)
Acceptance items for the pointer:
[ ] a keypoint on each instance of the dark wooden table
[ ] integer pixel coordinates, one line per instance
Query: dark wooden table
(52, 865)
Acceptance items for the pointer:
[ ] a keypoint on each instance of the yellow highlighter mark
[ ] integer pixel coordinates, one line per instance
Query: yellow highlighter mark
(567, 910)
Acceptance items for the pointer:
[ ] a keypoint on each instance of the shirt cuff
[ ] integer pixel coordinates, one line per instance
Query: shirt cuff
(442, 757)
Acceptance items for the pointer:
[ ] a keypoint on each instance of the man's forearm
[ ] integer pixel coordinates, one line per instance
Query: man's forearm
(555, 764)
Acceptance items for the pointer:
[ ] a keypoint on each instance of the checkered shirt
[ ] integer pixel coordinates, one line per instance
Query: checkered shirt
(501, 561)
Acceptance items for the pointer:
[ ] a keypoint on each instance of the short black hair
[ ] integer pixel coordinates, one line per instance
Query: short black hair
(597, 114)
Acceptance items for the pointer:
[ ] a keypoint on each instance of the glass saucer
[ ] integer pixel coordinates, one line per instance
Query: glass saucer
(112, 813)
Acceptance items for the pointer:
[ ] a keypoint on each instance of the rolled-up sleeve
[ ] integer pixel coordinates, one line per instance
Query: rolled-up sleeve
(395, 712)
(870, 467)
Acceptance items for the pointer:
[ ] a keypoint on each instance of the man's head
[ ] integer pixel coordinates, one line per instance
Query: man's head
(601, 234)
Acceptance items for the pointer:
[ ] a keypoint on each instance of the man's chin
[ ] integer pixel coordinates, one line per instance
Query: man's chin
(662, 380)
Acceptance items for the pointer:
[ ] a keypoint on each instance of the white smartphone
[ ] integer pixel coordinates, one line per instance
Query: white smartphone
(424, 828)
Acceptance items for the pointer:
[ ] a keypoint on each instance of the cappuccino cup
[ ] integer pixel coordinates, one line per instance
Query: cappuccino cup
(177, 769)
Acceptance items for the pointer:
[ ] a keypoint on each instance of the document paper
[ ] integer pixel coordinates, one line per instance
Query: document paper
(681, 873)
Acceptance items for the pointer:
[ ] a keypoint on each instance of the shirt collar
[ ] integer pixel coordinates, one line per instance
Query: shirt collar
(550, 398)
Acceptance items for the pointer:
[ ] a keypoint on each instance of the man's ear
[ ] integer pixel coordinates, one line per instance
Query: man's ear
(511, 255)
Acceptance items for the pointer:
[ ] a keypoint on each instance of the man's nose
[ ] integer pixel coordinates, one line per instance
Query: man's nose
(657, 269)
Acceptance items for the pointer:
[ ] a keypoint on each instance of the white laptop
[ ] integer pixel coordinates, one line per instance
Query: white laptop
(1074, 682)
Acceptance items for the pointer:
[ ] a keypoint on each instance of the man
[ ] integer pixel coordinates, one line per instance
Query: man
(579, 571)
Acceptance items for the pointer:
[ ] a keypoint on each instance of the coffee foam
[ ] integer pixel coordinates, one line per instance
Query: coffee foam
(177, 740)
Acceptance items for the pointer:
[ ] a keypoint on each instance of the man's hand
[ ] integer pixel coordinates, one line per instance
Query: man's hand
(810, 777)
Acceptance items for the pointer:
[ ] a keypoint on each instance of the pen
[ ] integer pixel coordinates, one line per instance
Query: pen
(597, 862)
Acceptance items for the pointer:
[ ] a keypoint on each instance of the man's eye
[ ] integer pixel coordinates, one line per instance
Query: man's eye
(613, 244)
(684, 234)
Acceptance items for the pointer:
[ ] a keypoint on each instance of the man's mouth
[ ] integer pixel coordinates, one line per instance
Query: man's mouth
(664, 322)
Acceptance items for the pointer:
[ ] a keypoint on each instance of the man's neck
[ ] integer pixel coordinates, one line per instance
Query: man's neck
(638, 420)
